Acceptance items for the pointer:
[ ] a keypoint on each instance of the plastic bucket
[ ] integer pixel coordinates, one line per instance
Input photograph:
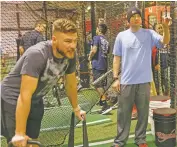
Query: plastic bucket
(165, 127)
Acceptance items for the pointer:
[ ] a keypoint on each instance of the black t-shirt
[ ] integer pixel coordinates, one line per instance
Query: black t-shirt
(99, 60)
(37, 61)
(31, 38)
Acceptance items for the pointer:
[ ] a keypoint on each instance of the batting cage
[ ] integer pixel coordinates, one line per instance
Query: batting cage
(20, 17)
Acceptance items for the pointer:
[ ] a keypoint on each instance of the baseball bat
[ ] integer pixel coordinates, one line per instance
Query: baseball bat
(101, 77)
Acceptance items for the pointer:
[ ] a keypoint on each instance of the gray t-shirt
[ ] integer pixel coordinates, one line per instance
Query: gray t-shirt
(38, 61)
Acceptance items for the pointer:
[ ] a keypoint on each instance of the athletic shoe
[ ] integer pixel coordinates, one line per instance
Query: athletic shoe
(143, 145)
(115, 106)
(134, 115)
(105, 109)
(115, 146)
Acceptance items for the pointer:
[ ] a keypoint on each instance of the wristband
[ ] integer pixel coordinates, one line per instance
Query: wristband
(78, 108)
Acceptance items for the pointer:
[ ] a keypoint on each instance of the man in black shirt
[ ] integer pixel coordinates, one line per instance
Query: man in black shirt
(31, 38)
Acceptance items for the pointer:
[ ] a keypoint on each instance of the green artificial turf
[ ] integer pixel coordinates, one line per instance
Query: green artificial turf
(130, 143)
(98, 132)
(103, 131)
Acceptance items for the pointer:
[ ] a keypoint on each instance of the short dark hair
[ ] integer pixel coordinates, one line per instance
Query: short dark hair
(64, 25)
(102, 28)
(39, 22)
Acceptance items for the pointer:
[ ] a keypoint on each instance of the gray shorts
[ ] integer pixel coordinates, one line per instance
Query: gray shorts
(8, 120)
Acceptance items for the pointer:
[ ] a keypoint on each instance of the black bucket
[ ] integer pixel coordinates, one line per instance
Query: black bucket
(165, 127)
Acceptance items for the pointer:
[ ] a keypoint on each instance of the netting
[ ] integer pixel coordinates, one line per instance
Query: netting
(20, 17)
(56, 120)
(173, 55)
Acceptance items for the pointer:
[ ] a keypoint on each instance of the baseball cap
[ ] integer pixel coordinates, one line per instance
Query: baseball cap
(132, 11)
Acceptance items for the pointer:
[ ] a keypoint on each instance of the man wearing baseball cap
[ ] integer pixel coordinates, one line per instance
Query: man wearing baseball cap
(134, 48)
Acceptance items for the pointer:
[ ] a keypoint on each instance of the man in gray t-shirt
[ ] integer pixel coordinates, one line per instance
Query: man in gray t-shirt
(36, 72)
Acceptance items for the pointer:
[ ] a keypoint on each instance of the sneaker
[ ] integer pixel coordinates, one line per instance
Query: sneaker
(115, 106)
(134, 116)
(105, 109)
(115, 146)
(143, 145)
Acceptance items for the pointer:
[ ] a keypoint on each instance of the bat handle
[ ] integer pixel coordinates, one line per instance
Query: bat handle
(30, 142)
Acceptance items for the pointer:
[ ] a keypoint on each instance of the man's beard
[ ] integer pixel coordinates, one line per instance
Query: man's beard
(61, 52)
(64, 54)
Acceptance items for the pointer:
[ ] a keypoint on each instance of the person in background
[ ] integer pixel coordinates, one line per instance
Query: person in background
(18, 40)
(3, 63)
(133, 47)
(31, 38)
(89, 43)
(163, 65)
(98, 57)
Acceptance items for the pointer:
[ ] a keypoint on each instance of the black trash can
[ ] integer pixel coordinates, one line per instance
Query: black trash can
(165, 127)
